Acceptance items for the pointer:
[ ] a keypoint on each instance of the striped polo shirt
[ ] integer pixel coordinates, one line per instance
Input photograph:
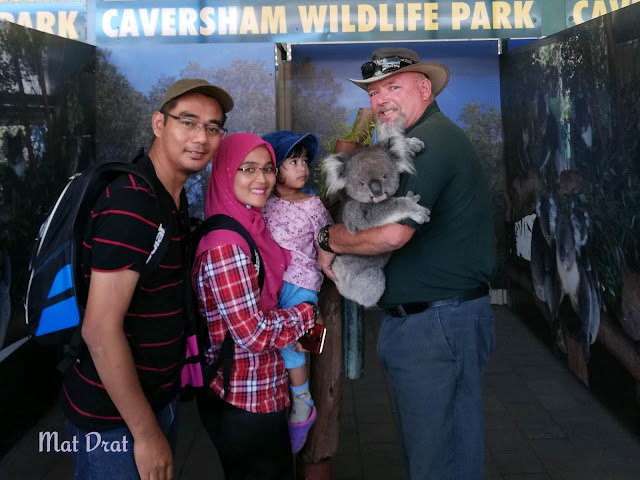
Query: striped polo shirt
(124, 224)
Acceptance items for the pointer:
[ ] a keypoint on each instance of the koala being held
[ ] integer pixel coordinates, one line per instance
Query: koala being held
(367, 179)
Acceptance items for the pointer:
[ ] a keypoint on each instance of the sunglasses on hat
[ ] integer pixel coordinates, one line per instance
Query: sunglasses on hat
(382, 66)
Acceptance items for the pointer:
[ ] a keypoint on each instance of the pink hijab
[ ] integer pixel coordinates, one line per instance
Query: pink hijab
(220, 199)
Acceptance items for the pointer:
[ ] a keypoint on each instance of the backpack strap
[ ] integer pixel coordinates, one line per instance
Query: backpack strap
(225, 222)
(142, 168)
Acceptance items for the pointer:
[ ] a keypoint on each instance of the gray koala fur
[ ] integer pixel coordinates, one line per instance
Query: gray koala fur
(367, 179)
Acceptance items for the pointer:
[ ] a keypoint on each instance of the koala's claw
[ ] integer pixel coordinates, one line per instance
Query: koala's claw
(413, 196)
(412, 209)
(421, 216)
(415, 145)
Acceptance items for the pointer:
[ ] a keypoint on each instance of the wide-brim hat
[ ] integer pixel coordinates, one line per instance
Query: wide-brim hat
(283, 142)
(437, 73)
(198, 85)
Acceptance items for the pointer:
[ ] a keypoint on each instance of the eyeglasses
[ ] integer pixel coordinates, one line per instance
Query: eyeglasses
(193, 126)
(253, 171)
(383, 66)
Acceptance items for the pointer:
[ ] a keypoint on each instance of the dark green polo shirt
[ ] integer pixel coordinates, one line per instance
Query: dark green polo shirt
(455, 250)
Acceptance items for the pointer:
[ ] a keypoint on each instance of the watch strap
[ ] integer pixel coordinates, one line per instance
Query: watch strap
(323, 239)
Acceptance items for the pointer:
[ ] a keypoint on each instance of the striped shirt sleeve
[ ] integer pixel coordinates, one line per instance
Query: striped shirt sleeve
(125, 224)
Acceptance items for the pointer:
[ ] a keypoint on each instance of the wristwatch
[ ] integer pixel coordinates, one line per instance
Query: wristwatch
(323, 239)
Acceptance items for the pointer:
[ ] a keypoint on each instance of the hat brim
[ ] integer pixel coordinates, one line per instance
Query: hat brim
(437, 73)
(310, 143)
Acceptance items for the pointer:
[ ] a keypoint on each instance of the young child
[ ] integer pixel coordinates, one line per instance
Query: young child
(294, 219)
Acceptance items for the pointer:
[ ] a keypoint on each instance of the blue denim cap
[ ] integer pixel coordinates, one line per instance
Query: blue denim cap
(283, 142)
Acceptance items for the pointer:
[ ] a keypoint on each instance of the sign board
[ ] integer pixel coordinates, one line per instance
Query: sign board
(579, 11)
(65, 19)
(207, 21)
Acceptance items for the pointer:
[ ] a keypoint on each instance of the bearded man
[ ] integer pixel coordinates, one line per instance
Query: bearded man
(437, 330)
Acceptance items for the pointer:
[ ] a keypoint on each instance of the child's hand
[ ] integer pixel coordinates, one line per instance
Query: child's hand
(325, 259)
(298, 348)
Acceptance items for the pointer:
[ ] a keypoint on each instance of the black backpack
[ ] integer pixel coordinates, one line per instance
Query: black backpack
(56, 293)
(196, 373)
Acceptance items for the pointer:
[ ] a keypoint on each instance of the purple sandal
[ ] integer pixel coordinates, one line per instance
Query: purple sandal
(298, 431)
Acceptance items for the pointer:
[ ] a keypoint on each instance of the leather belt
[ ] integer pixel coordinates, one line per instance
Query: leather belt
(417, 307)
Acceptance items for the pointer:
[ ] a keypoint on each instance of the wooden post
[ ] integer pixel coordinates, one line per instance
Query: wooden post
(363, 125)
(353, 314)
(314, 461)
(353, 339)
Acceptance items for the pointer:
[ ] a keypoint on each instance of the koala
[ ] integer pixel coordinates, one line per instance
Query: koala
(367, 179)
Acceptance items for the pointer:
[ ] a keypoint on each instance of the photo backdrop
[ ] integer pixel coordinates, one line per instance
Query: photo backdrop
(571, 104)
(131, 79)
(326, 103)
(47, 132)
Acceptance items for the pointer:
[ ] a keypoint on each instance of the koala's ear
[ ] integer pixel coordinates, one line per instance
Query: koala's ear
(399, 151)
(334, 169)
(405, 164)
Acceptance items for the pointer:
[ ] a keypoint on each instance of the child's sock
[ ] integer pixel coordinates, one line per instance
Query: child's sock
(301, 403)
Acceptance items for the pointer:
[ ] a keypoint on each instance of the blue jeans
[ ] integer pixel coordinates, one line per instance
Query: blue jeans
(434, 361)
(91, 462)
(290, 296)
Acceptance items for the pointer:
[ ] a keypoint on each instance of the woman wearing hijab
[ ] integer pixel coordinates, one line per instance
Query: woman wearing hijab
(247, 421)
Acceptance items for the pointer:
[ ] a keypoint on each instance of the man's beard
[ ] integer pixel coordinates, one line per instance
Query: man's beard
(389, 129)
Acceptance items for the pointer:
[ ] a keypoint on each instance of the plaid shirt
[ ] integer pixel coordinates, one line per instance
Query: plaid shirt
(228, 296)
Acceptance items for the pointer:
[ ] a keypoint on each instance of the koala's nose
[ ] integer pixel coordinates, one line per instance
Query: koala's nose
(376, 187)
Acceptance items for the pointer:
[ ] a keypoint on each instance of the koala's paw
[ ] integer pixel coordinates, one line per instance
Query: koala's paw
(420, 215)
(415, 145)
(416, 212)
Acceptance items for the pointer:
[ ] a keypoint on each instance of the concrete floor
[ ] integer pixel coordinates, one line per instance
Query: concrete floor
(541, 424)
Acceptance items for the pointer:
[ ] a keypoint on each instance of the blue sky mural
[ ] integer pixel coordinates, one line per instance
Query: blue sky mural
(473, 65)
(143, 64)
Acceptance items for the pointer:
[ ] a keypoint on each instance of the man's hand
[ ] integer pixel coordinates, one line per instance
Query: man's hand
(153, 457)
(325, 259)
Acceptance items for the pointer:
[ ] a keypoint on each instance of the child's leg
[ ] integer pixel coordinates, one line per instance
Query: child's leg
(301, 401)
(297, 376)
(294, 362)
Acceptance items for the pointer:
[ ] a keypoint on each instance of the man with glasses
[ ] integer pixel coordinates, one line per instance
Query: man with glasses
(437, 330)
(121, 397)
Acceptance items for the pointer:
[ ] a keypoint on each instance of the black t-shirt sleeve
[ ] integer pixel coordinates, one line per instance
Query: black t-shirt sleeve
(125, 225)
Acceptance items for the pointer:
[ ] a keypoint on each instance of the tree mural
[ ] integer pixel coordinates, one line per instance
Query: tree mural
(123, 115)
(314, 97)
(252, 86)
(46, 134)
(570, 108)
